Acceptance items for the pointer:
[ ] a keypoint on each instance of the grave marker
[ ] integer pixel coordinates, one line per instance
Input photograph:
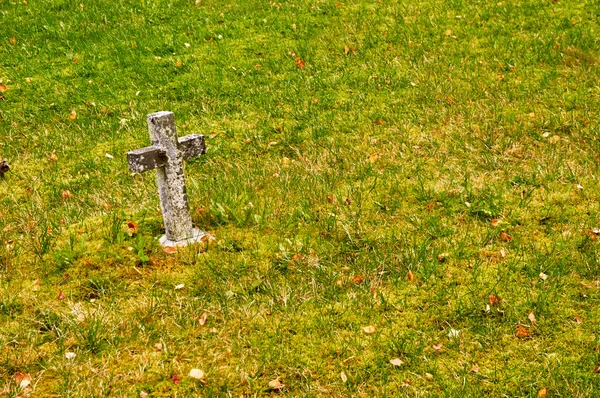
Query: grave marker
(166, 155)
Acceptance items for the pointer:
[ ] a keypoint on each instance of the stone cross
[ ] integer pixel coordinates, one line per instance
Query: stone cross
(166, 155)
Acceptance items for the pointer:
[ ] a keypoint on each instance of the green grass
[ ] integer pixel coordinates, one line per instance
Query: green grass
(409, 128)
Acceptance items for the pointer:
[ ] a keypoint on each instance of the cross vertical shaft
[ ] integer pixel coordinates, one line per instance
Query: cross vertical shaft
(170, 178)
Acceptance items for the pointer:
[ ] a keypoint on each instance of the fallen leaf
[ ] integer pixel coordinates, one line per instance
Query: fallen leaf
(170, 249)
(12, 40)
(276, 384)
(442, 257)
(410, 276)
(297, 257)
(143, 394)
(179, 64)
(379, 122)
(75, 60)
(23, 379)
(3, 88)
(596, 369)
(374, 157)
(396, 362)
(429, 376)
(202, 319)
(438, 347)
(543, 276)
(358, 279)
(73, 115)
(494, 300)
(132, 225)
(299, 62)
(578, 320)
(176, 379)
(158, 346)
(70, 355)
(495, 222)
(61, 295)
(343, 376)
(543, 393)
(522, 331)
(198, 2)
(505, 237)
(448, 32)
(475, 369)
(531, 317)
(180, 286)
(285, 161)
(369, 329)
(346, 49)
(348, 201)
(197, 374)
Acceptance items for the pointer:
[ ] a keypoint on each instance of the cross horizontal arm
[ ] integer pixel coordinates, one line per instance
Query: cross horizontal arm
(145, 159)
(152, 157)
(192, 145)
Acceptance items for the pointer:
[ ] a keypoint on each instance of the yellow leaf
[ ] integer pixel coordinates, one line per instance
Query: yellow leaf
(369, 329)
(374, 157)
(343, 376)
(543, 393)
(73, 115)
(3, 88)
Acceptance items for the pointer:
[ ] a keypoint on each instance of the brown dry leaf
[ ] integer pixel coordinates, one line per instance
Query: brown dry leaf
(73, 115)
(369, 329)
(170, 249)
(396, 362)
(61, 295)
(23, 379)
(522, 331)
(475, 369)
(410, 276)
(379, 122)
(448, 32)
(299, 62)
(12, 40)
(276, 385)
(297, 257)
(438, 347)
(494, 300)
(132, 225)
(495, 222)
(505, 237)
(543, 393)
(158, 347)
(179, 64)
(346, 49)
(578, 320)
(202, 319)
(143, 394)
(358, 279)
(3, 88)
(596, 369)
(66, 194)
(348, 201)
(53, 156)
(531, 317)
(374, 157)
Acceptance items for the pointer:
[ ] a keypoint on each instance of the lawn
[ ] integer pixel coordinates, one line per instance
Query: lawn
(403, 197)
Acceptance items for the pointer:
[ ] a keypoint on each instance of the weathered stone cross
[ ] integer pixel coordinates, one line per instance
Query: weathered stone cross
(166, 155)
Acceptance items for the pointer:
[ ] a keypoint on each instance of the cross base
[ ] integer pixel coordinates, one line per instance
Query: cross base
(196, 237)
